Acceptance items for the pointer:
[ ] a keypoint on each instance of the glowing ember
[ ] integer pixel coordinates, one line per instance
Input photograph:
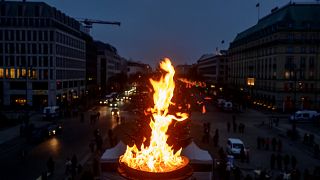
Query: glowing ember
(158, 156)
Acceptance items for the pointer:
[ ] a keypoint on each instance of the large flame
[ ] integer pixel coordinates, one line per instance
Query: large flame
(158, 156)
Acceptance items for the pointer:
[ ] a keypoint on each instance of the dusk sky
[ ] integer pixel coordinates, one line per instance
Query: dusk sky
(182, 30)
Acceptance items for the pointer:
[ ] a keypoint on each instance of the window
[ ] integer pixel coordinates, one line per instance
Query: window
(1, 73)
(311, 62)
(12, 73)
(290, 49)
(303, 62)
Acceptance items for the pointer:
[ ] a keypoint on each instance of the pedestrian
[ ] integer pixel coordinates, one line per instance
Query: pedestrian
(68, 166)
(262, 143)
(237, 173)
(234, 127)
(293, 162)
(82, 117)
(258, 142)
(74, 162)
(286, 160)
(91, 146)
(216, 138)
(311, 139)
(247, 154)
(316, 150)
(243, 126)
(279, 161)
(306, 175)
(50, 165)
(272, 161)
(228, 126)
(242, 154)
(279, 143)
(240, 128)
(248, 177)
(267, 143)
(274, 144)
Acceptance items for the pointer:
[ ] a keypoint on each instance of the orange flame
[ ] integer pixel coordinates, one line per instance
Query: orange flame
(158, 156)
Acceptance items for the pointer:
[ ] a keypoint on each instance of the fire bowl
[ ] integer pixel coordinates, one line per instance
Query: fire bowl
(181, 173)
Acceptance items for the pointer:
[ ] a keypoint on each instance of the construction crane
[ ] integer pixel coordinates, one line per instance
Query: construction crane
(88, 22)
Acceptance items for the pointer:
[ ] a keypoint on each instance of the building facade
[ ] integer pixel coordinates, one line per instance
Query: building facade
(42, 55)
(134, 68)
(277, 60)
(109, 64)
(214, 67)
(183, 70)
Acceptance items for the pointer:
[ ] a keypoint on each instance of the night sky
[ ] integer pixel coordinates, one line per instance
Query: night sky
(182, 30)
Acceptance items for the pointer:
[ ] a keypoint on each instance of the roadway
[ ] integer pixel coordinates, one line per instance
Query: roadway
(73, 140)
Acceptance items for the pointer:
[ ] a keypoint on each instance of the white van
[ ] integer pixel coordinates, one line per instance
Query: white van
(304, 116)
(51, 111)
(234, 146)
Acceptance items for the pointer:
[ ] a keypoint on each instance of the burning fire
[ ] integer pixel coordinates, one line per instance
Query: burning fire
(158, 156)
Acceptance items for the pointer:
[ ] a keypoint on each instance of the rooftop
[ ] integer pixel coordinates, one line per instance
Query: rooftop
(293, 15)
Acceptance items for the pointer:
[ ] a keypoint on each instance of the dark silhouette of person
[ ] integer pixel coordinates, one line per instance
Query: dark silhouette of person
(286, 161)
(306, 175)
(258, 142)
(228, 126)
(50, 165)
(274, 144)
(272, 160)
(279, 161)
(216, 138)
(242, 154)
(293, 162)
(279, 145)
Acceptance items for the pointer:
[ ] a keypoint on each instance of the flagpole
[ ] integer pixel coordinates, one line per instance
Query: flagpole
(259, 12)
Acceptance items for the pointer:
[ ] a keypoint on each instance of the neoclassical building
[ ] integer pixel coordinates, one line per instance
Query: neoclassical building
(277, 60)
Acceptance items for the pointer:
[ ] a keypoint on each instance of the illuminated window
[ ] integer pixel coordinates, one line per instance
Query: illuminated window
(23, 72)
(287, 74)
(1, 72)
(18, 73)
(250, 81)
(34, 74)
(7, 74)
(12, 73)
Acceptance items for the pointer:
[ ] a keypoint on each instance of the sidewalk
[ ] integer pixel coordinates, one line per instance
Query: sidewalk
(13, 132)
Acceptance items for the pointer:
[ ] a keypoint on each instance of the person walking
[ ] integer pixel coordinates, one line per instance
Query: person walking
(50, 165)
(216, 138)
(293, 162)
(267, 142)
(279, 143)
(272, 161)
(242, 154)
(274, 144)
(258, 142)
(68, 166)
(286, 160)
(228, 126)
(279, 161)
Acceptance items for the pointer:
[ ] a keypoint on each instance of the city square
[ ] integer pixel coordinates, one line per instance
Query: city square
(242, 106)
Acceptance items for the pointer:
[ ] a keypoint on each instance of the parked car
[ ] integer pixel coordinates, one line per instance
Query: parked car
(304, 116)
(234, 146)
